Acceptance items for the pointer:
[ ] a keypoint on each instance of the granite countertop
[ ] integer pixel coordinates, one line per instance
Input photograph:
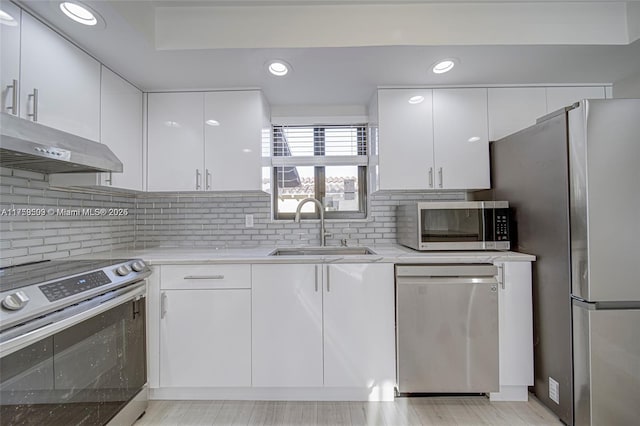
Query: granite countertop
(385, 254)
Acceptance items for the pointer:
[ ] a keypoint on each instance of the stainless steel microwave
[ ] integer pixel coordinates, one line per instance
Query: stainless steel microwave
(455, 225)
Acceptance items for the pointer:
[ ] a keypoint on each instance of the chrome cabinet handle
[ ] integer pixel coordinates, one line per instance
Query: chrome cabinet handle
(34, 95)
(440, 176)
(204, 277)
(501, 276)
(198, 179)
(208, 179)
(163, 305)
(14, 97)
(328, 278)
(430, 177)
(316, 274)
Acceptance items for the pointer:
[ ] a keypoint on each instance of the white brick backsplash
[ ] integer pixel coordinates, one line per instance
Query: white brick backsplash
(197, 220)
(52, 237)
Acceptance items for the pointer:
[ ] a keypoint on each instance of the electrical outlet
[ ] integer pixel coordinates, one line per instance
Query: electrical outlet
(248, 220)
(554, 391)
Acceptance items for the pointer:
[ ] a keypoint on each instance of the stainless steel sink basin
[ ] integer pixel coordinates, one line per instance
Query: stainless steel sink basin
(320, 251)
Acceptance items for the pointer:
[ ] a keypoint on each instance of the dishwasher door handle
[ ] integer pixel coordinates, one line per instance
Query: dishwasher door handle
(446, 280)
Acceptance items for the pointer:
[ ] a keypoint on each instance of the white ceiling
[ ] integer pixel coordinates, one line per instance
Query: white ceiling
(589, 42)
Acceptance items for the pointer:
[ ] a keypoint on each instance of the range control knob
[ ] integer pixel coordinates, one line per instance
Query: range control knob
(123, 270)
(138, 265)
(15, 301)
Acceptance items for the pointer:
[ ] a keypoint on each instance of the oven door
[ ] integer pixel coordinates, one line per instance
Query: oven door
(81, 368)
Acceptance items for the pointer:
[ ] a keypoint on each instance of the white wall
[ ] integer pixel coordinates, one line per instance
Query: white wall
(290, 26)
(628, 87)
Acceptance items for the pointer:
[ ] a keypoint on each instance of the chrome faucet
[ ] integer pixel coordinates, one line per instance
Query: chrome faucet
(323, 233)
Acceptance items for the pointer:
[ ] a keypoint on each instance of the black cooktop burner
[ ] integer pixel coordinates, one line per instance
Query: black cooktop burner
(18, 276)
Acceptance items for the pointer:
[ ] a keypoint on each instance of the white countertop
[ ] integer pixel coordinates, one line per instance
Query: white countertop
(385, 254)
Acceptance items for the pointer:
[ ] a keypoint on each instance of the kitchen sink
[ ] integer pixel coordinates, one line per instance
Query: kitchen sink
(319, 251)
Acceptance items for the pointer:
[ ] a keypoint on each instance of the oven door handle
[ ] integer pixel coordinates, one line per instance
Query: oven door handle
(70, 319)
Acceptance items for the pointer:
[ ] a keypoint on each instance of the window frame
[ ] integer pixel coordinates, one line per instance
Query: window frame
(319, 162)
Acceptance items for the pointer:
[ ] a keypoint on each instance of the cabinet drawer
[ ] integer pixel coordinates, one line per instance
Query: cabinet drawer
(182, 277)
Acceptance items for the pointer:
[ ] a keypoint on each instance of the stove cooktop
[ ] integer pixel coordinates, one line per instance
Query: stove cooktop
(36, 289)
(15, 277)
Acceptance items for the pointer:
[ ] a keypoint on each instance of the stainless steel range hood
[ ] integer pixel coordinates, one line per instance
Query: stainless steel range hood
(32, 146)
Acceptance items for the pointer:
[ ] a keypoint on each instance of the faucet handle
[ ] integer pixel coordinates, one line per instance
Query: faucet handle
(343, 242)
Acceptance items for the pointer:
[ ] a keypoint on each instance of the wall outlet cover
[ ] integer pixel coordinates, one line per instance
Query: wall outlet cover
(248, 220)
(554, 391)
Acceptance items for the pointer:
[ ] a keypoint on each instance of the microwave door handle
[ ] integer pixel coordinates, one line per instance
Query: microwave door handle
(484, 227)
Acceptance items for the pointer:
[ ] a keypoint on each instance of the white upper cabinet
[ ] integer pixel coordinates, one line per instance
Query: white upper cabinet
(121, 129)
(405, 139)
(512, 109)
(206, 141)
(175, 141)
(10, 59)
(232, 140)
(558, 97)
(59, 83)
(440, 142)
(461, 138)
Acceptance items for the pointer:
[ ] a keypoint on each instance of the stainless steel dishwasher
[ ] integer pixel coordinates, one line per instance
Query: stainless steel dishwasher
(447, 328)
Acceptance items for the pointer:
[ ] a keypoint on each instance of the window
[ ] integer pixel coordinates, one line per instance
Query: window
(328, 163)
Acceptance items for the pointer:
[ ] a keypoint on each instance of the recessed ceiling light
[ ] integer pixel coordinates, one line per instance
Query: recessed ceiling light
(79, 13)
(278, 67)
(416, 99)
(443, 66)
(212, 122)
(246, 150)
(474, 139)
(7, 19)
(171, 123)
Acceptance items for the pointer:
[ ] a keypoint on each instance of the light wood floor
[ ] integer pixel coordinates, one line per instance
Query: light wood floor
(402, 412)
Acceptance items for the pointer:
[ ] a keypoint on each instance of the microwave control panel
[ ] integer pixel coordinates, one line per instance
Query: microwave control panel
(502, 225)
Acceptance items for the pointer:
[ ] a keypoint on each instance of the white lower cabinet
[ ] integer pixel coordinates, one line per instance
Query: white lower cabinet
(359, 330)
(324, 325)
(287, 325)
(205, 326)
(515, 331)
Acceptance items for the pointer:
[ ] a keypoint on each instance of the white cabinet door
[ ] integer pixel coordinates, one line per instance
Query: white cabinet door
(515, 331)
(359, 326)
(66, 78)
(512, 109)
(405, 140)
(10, 58)
(175, 141)
(461, 146)
(287, 325)
(559, 97)
(121, 129)
(232, 140)
(205, 338)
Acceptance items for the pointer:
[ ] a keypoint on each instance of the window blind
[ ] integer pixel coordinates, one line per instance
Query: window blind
(319, 145)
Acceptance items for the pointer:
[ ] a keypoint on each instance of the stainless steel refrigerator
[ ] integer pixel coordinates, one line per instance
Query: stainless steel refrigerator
(573, 180)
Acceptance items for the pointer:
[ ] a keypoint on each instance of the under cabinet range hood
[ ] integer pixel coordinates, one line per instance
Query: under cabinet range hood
(31, 146)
